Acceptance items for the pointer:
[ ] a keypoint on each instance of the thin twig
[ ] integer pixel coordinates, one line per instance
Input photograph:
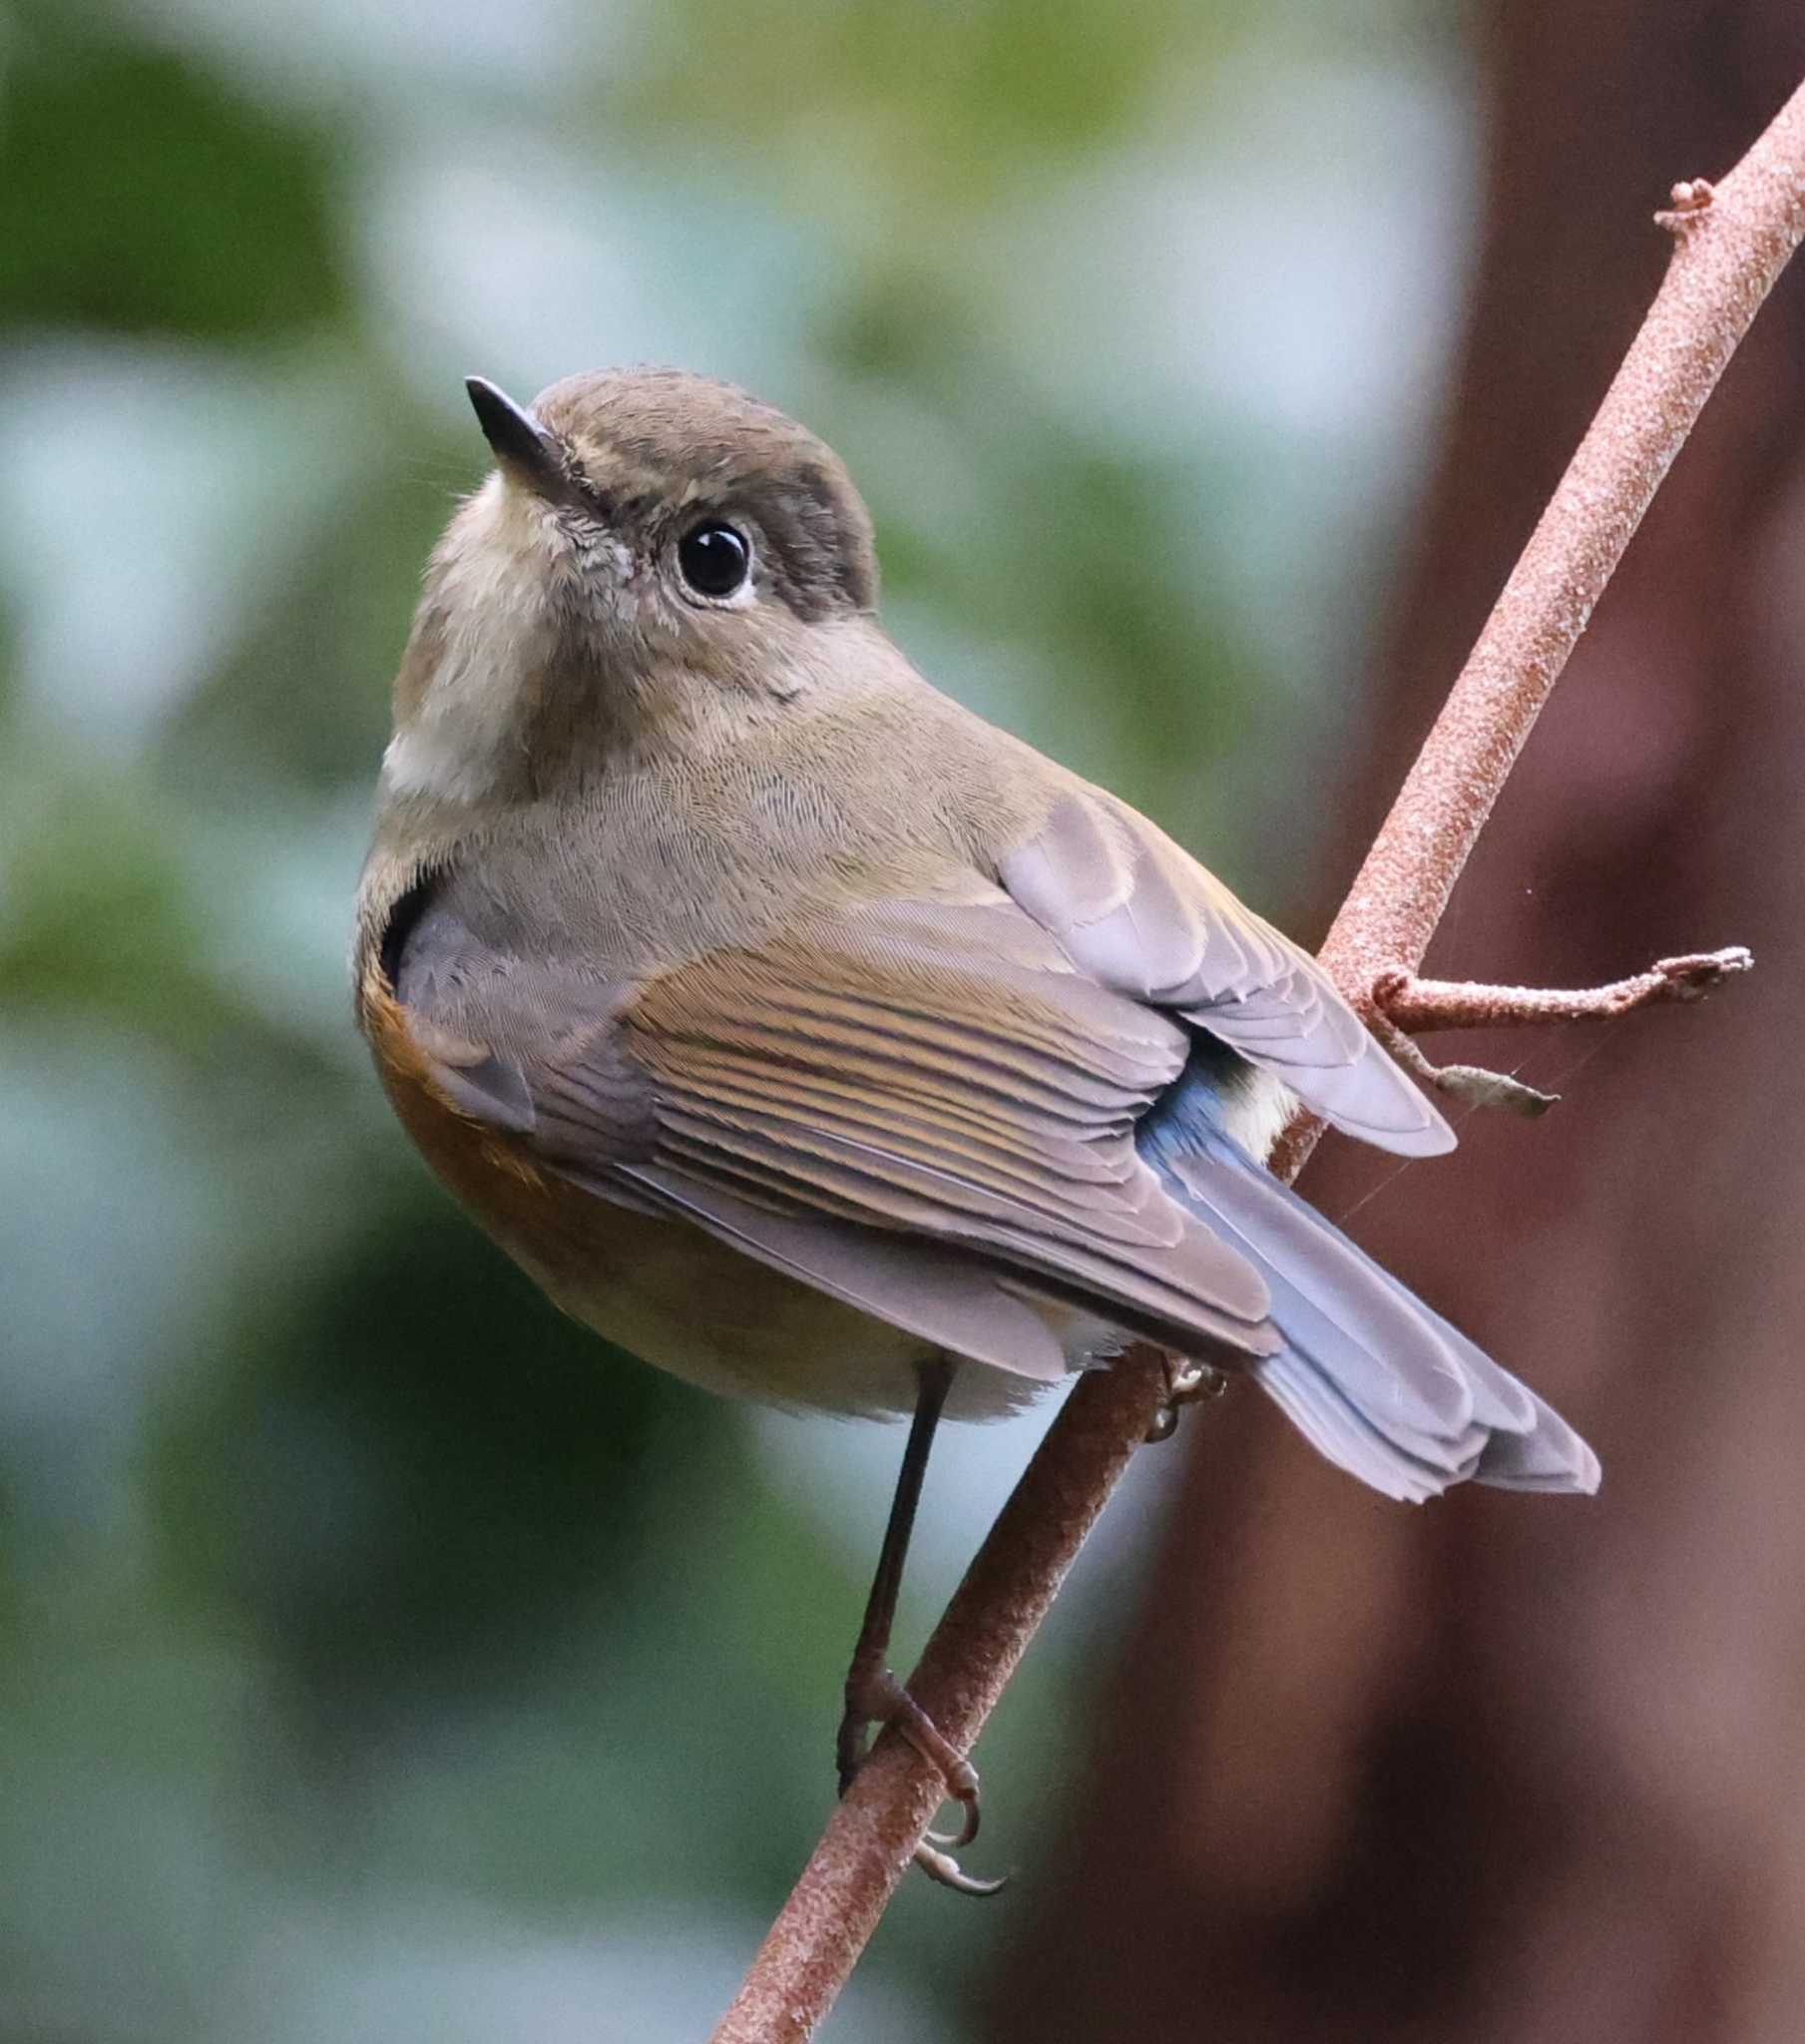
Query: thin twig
(1424, 1004)
(1731, 241)
(1399, 1002)
(1730, 245)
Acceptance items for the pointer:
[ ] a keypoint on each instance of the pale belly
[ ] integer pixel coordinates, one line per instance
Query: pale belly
(674, 1297)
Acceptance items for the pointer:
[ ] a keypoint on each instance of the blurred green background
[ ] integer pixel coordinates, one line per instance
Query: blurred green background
(379, 1655)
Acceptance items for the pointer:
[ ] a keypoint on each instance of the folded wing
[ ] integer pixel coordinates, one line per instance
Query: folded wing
(933, 1081)
(1139, 913)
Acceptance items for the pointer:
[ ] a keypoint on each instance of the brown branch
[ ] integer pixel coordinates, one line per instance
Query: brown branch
(1424, 1004)
(1401, 1002)
(1731, 241)
(996, 1611)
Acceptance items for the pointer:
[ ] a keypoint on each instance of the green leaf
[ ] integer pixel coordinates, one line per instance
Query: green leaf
(140, 194)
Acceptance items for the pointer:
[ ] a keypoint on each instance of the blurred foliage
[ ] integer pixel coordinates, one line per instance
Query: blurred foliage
(158, 168)
(386, 1658)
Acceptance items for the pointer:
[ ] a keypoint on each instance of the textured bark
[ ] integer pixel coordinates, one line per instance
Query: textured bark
(1514, 1768)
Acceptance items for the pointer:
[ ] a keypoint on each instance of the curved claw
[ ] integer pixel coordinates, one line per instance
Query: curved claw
(877, 1696)
(944, 1868)
(1186, 1381)
(967, 1831)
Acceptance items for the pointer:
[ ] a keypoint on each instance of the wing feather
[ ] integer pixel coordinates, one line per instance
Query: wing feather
(836, 1069)
(920, 1077)
(1139, 913)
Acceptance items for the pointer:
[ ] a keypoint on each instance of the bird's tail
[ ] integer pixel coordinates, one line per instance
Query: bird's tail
(1375, 1379)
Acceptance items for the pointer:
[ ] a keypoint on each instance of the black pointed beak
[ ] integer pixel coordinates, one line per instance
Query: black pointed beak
(520, 442)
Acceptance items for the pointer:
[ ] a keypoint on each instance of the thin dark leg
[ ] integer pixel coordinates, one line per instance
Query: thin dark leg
(874, 1695)
(867, 1679)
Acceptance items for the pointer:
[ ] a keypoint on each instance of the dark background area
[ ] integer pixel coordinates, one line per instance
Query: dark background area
(379, 1655)
(1511, 1770)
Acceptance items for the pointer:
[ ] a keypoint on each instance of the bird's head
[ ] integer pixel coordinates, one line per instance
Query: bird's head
(654, 554)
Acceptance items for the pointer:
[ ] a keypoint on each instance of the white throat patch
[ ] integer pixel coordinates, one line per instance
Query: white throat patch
(466, 728)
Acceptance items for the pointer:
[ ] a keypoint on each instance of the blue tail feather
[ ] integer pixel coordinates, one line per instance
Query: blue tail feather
(1376, 1380)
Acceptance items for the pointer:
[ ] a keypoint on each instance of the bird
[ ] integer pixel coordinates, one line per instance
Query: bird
(819, 1041)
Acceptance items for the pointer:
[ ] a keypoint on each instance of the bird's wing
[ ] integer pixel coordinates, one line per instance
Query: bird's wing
(1141, 916)
(930, 1073)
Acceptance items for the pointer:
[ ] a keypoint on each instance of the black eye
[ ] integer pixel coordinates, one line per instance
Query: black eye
(714, 558)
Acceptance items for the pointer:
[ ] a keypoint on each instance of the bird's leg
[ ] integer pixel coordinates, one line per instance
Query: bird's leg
(874, 1695)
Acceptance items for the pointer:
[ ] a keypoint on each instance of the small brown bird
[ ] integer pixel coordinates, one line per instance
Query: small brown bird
(816, 1040)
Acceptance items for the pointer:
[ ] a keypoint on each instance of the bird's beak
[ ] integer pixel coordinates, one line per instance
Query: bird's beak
(520, 442)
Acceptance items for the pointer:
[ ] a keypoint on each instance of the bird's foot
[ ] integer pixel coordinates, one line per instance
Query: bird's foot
(874, 1695)
(1185, 1383)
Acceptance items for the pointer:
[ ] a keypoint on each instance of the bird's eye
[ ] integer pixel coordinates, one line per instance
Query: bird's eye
(714, 558)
